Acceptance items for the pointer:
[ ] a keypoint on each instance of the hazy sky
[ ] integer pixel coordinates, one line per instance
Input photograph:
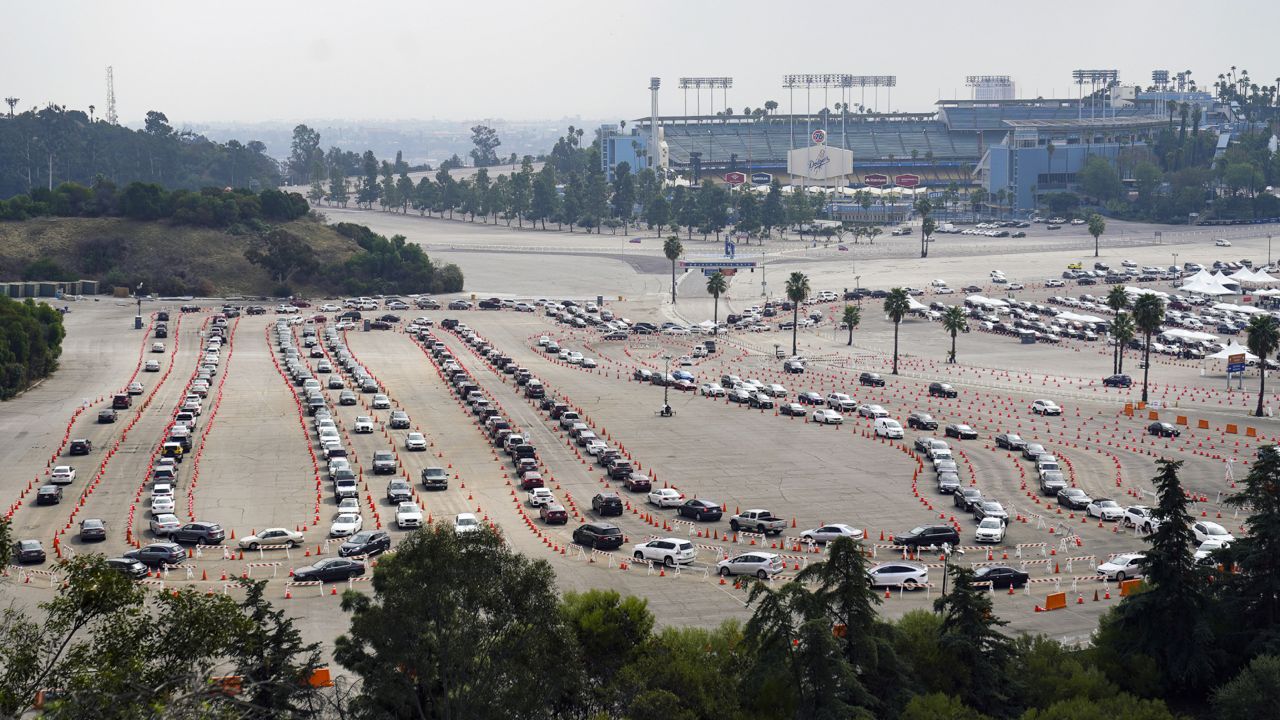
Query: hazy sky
(543, 59)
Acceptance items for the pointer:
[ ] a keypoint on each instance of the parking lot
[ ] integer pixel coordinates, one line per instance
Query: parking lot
(256, 460)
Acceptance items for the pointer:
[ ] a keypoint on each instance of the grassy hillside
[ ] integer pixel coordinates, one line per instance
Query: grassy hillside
(172, 259)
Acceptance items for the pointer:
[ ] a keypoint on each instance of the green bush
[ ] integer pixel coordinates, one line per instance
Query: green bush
(30, 343)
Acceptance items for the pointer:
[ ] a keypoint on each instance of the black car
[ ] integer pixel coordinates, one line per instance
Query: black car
(399, 491)
(365, 542)
(810, 398)
(966, 498)
(1032, 451)
(107, 415)
(384, 463)
(49, 495)
(1163, 429)
(330, 569)
(943, 390)
(1010, 441)
(921, 421)
(961, 431)
(699, 510)
(155, 554)
(1119, 381)
(607, 503)
(28, 551)
(390, 318)
(202, 533)
(435, 478)
(926, 535)
(871, 379)
(399, 420)
(128, 567)
(792, 409)
(1074, 498)
(601, 536)
(93, 529)
(948, 482)
(1001, 577)
(80, 447)
(380, 325)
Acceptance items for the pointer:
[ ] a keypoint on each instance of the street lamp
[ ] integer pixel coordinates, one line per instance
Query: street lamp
(1178, 269)
(1268, 248)
(666, 385)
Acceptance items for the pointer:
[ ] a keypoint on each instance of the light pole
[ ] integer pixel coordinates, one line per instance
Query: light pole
(666, 384)
(1268, 248)
(1178, 269)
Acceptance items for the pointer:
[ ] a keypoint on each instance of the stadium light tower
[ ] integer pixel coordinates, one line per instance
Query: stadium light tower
(877, 82)
(824, 81)
(1095, 78)
(655, 154)
(712, 84)
(990, 87)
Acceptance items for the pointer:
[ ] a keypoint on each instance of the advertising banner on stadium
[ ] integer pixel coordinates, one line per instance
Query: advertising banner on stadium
(876, 180)
(761, 178)
(907, 181)
(820, 162)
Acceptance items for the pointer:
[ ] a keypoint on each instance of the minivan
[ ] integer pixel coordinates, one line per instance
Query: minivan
(888, 428)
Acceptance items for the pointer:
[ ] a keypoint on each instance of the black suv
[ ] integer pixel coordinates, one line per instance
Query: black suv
(201, 533)
(435, 478)
(927, 535)
(49, 495)
(1163, 429)
(398, 491)
(366, 542)
(603, 536)
(871, 379)
(80, 447)
(384, 463)
(399, 420)
(921, 421)
(944, 390)
(607, 503)
(1119, 381)
(155, 554)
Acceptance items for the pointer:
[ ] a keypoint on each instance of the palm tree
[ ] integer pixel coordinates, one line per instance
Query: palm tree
(852, 317)
(1148, 313)
(673, 250)
(1123, 331)
(1117, 300)
(797, 291)
(1051, 149)
(896, 306)
(717, 285)
(1097, 226)
(953, 321)
(1264, 337)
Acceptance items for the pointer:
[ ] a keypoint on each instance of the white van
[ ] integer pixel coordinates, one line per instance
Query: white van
(888, 428)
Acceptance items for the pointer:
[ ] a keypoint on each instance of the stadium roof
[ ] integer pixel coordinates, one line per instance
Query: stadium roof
(1088, 123)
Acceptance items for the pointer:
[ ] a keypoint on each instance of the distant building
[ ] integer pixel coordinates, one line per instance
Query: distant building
(631, 147)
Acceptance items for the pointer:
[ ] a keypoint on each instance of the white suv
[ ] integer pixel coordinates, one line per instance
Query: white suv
(667, 551)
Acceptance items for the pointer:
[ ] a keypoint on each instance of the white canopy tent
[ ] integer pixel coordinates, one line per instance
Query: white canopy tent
(915, 305)
(1243, 309)
(1261, 278)
(1189, 335)
(1131, 290)
(986, 301)
(1209, 285)
(1234, 348)
(1227, 282)
(1074, 317)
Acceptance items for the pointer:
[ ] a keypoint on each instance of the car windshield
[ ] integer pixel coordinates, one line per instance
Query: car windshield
(1214, 530)
(990, 523)
(917, 530)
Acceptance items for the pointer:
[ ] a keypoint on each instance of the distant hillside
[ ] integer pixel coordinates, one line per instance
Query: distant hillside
(170, 259)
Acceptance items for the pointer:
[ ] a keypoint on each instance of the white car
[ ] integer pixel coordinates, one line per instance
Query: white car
(408, 515)
(1135, 516)
(944, 291)
(415, 441)
(540, 496)
(898, 574)
(381, 402)
(1124, 567)
(828, 533)
(1206, 531)
(1045, 407)
(873, 411)
(574, 358)
(364, 424)
(162, 490)
(711, 390)
(1054, 283)
(665, 497)
(272, 536)
(346, 524)
(990, 530)
(162, 505)
(544, 341)
(1016, 286)
(1222, 242)
(466, 523)
(157, 347)
(329, 307)
(348, 505)
(62, 475)
(676, 331)
(826, 416)
(162, 525)
(760, 564)
(152, 366)
(1104, 509)
(667, 551)
(594, 447)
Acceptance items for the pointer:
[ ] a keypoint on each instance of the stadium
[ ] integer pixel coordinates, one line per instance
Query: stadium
(1014, 148)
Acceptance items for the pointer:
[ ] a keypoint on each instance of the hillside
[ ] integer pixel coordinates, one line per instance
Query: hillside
(172, 259)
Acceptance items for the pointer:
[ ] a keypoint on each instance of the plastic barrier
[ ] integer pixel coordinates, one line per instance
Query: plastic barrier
(1055, 601)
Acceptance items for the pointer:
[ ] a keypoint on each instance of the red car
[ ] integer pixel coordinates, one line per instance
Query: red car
(684, 386)
(531, 480)
(635, 482)
(554, 514)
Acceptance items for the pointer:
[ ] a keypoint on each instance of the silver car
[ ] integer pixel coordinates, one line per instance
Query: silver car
(760, 564)
(898, 574)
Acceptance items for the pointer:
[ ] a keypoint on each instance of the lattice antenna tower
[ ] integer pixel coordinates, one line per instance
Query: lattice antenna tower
(111, 97)
(12, 101)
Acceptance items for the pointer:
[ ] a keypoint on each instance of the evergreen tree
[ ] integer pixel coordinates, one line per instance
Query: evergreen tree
(971, 639)
(624, 194)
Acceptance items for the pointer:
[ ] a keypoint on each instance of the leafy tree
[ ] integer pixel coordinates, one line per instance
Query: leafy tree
(851, 318)
(1148, 314)
(704, 665)
(672, 249)
(896, 306)
(303, 153)
(954, 321)
(624, 194)
(272, 659)
(717, 285)
(1123, 705)
(157, 123)
(1122, 330)
(1099, 179)
(749, 213)
(404, 192)
(369, 190)
(658, 213)
(447, 632)
(1097, 226)
(521, 190)
(924, 208)
(713, 209)
(486, 144)
(773, 214)
(689, 211)
(545, 204)
(970, 638)
(1264, 338)
(937, 706)
(282, 254)
(595, 200)
(797, 290)
(1252, 693)
(337, 187)
(612, 631)
(447, 193)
